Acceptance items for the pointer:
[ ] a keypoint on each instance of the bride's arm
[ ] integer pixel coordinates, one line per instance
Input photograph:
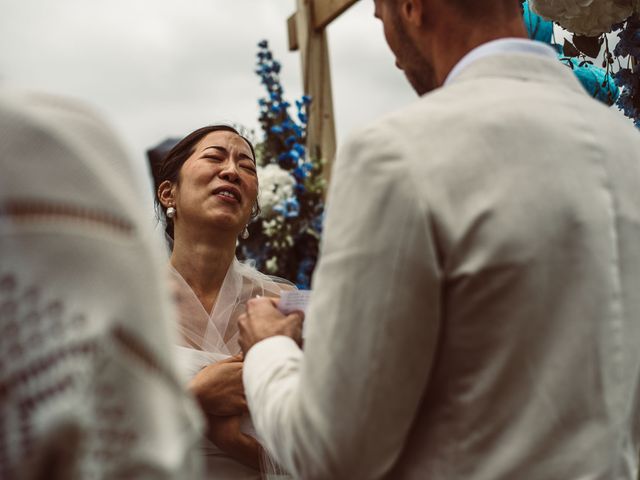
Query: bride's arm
(220, 393)
(225, 433)
(218, 388)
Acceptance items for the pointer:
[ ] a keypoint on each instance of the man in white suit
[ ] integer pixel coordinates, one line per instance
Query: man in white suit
(476, 312)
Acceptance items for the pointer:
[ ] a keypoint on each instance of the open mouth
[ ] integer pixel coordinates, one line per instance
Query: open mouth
(231, 194)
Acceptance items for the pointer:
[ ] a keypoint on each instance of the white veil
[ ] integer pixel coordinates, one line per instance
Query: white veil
(209, 337)
(217, 332)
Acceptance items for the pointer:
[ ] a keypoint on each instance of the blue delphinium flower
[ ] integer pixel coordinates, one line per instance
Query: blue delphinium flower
(628, 79)
(299, 149)
(305, 269)
(318, 222)
(290, 141)
(302, 171)
(290, 208)
(287, 230)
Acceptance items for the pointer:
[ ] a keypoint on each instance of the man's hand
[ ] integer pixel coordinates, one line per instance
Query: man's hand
(264, 320)
(218, 388)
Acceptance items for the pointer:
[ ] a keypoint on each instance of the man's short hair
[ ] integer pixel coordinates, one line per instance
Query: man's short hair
(483, 8)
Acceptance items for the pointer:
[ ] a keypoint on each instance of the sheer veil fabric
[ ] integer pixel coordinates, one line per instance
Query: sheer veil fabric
(217, 332)
(209, 337)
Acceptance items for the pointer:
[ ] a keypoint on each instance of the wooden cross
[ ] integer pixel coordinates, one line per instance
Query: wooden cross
(307, 33)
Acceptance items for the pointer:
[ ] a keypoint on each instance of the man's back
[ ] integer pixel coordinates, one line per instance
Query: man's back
(533, 198)
(474, 314)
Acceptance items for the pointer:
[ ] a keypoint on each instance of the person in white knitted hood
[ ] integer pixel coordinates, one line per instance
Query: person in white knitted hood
(88, 384)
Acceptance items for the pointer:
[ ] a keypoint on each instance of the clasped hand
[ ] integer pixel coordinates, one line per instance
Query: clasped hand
(263, 320)
(219, 390)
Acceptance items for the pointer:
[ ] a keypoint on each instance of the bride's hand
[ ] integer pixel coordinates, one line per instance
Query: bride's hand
(218, 388)
(225, 433)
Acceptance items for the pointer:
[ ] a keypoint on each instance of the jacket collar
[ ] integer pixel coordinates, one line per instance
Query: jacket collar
(501, 46)
(518, 59)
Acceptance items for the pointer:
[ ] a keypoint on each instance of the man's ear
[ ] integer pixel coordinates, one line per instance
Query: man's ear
(412, 12)
(166, 194)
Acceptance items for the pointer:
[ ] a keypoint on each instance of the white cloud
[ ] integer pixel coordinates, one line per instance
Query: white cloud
(165, 67)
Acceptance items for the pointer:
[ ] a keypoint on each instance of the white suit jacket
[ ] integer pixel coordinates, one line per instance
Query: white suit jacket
(476, 308)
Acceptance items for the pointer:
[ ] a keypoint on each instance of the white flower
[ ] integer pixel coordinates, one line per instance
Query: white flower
(272, 227)
(585, 17)
(272, 265)
(276, 186)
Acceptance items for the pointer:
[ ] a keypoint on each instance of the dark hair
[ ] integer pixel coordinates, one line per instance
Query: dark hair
(166, 166)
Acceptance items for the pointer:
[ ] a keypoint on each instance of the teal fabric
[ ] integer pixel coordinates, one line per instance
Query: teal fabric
(595, 80)
(537, 27)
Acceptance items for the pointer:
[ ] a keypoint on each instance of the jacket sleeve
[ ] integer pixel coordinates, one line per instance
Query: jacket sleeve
(344, 408)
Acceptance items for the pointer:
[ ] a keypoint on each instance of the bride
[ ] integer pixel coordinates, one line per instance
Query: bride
(207, 189)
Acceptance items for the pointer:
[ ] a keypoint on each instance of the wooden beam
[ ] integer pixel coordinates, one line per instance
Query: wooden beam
(325, 11)
(292, 30)
(316, 74)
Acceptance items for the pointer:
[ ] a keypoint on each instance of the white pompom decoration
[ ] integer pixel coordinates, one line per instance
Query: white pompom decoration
(585, 17)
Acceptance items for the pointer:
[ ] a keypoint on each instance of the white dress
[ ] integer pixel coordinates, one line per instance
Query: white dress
(212, 337)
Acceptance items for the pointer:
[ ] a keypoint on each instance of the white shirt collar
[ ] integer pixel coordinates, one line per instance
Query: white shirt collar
(502, 45)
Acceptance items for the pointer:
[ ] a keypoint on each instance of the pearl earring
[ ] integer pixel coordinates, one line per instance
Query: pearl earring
(245, 233)
(171, 212)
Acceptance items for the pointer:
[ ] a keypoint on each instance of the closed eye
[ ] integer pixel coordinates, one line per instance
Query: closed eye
(248, 166)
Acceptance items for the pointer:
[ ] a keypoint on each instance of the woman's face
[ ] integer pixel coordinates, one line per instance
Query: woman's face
(218, 184)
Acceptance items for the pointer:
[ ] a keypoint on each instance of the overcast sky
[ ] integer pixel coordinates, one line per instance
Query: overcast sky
(165, 67)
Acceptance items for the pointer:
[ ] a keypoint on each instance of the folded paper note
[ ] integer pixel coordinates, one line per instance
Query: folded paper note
(294, 300)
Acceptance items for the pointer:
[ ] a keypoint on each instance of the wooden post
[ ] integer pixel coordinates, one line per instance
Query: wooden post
(326, 11)
(316, 74)
(307, 33)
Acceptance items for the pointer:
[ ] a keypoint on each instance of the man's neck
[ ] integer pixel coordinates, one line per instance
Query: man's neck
(450, 45)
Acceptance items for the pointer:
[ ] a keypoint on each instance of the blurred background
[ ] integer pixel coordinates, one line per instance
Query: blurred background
(163, 68)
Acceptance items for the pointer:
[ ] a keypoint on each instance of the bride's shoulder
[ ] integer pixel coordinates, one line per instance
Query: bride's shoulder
(257, 283)
(270, 286)
(282, 283)
(252, 275)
